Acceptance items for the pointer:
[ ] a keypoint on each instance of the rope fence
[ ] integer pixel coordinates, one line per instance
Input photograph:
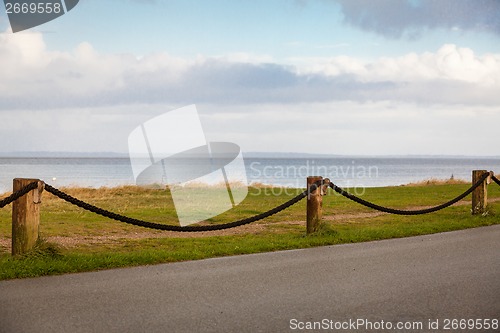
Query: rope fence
(495, 179)
(314, 192)
(410, 212)
(18, 194)
(166, 227)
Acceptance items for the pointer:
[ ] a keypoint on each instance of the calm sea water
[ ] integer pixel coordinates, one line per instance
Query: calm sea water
(291, 172)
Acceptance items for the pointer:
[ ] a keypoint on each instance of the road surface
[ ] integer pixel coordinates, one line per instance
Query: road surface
(407, 281)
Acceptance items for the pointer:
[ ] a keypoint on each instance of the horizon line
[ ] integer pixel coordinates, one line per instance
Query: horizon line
(254, 154)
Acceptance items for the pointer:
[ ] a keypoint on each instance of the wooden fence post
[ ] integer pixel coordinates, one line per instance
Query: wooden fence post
(26, 216)
(480, 194)
(314, 205)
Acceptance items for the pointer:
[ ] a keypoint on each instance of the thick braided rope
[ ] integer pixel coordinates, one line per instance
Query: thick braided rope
(16, 195)
(408, 212)
(495, 179)
(166, 227)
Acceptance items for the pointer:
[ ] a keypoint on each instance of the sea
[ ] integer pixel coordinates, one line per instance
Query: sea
(291, 171)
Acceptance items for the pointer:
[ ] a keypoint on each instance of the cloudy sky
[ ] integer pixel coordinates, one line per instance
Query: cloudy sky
(356, 77)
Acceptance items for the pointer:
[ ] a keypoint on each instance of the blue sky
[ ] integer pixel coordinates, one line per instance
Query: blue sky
(280, 28)
(374, 77)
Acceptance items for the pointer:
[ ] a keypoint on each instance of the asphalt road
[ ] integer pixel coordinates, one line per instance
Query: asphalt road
(403, 281)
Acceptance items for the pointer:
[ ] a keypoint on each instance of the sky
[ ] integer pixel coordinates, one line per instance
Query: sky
(348, 77)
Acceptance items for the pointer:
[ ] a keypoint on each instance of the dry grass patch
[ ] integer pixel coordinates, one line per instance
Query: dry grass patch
(434, 181)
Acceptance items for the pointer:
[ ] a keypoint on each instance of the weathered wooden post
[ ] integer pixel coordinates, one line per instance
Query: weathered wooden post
(480, 194)
(26, 216)
(314, 205)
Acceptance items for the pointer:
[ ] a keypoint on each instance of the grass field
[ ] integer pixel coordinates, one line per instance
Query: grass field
(75, 240)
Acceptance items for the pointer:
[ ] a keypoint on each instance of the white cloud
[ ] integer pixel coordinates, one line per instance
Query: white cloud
(33, 77)
(96, 129)
(346, 127)
(85, 100)
(450, 62)
(241, 57)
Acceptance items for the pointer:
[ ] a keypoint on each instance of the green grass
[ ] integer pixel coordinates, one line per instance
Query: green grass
(275, 233)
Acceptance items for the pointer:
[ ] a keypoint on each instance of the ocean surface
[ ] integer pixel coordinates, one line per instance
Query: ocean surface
(290, 172)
